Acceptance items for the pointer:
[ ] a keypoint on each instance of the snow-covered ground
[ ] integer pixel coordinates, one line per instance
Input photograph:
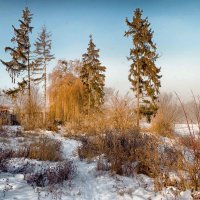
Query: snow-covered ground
(184, 129)
(88, 183)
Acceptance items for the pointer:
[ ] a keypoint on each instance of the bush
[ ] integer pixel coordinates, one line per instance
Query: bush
(52, 127)
(4, 156)
(121, 113)
(123, 154)
(171, 161)
(191, 146)
(1, 124)
(42, 149)
(92, 124)
(41, 174)
(117, 116)
(191, 161)
(50, 176)
(29, 111)
(164, 121)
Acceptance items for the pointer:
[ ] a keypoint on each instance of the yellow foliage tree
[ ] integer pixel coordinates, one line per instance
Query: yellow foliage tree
(65, 92)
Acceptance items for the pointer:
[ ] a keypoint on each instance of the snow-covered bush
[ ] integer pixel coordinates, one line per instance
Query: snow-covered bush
(57, 174)
(4, 156)
(40, 148)
(44, 149)
(124, 154)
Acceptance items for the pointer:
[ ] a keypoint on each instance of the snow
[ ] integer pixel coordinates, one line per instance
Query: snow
(88, 183)
(15, 187)
(182, 129)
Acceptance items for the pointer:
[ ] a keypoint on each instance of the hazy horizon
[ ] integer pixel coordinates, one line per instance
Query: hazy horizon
(175, 26)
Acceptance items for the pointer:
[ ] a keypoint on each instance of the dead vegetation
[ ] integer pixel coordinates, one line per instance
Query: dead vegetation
(117, 115)
(125, 154)
(111, 138)
(166, 117)
(185, 152)
(44, 149)
(52, 175)
(52, 169)
(110, 130)
(30, 116)
(40, 148)
(125, 151)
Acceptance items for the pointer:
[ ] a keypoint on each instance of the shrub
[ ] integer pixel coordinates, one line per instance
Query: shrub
(41, 174)
(29, 111)
(4, 155)
(52, 127)
(171, 158)
(191, 145)
(123, 154)
(92, 124)
(164, 121)
(117, 116)
(171, 161)
(1, 124)
(52, 175)
(120, 111)
(42, 149)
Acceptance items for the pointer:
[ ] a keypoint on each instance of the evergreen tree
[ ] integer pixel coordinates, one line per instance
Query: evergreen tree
(143, 75)
(43, 57)
(93, 78)
(20, 54)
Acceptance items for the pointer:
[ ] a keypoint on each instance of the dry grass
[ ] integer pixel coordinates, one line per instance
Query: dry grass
(166, 117)
(29, 111)
(47, 176)
(191, 145)
(50, 126)
(1, 124)
(171, 161)
(42, 148)
(50, 176)
(123, 154)
(120, 111)
(116, 116)
(4, 156)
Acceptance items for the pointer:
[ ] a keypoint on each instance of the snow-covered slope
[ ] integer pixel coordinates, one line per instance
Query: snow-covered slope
(88, 184)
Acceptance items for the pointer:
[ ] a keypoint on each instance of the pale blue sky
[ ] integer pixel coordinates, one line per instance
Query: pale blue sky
(176, 25)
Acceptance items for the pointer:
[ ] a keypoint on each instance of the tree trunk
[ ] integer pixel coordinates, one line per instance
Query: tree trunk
(29, 88)
(138, 98)
(89, 98)
(45, 93)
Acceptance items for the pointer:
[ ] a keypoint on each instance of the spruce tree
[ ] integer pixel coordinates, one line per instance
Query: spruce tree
(93, 78)
(43, 57)
(143, 75)
(20, 54)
